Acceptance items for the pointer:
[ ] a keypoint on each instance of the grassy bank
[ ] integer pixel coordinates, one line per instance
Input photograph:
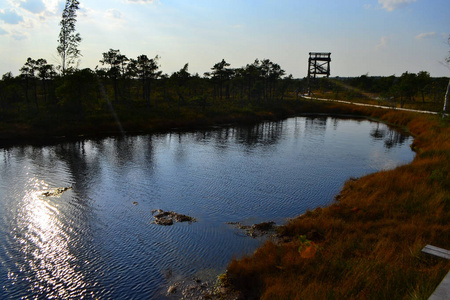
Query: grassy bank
(367, 245)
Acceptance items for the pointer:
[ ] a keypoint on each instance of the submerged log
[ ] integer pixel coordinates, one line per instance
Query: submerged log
(55, 192)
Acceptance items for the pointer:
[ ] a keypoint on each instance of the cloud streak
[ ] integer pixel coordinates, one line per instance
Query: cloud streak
(391, 5)
(383, 43)
(425, 35)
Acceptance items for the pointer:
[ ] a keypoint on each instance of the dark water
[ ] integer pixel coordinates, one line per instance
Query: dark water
(93, 242)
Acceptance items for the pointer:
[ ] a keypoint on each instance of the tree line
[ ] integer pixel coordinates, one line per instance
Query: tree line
(139, 82)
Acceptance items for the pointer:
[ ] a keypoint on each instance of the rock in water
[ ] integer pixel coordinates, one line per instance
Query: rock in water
(163, 222)
(166, 218)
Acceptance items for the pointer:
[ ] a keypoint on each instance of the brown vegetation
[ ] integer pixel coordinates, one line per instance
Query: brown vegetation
(367, 245)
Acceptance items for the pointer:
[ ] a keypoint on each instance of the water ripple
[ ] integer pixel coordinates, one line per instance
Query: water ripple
(97, 240)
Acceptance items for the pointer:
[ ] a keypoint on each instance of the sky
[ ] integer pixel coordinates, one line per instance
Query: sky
(374, 37)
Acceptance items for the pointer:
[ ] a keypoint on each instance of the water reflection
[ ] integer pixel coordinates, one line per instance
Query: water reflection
(316, 124)
(268, 133)
(97, 240)
(263, 134)
(392, 138)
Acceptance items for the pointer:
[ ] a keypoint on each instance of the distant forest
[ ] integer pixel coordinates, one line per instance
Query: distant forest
(139, 84)
(138, 93)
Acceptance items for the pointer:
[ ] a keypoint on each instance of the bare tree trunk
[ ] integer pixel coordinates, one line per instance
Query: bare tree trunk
(446, 96)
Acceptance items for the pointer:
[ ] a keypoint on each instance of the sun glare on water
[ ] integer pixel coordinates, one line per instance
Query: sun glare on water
(45, 246)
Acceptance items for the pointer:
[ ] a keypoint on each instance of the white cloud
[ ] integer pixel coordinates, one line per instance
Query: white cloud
(114, 18)
(425, 35)
(391, 5)
(10, 16)
(113, 14)
(383, 42)
(53, 6)
(3, 32)
(85, 12)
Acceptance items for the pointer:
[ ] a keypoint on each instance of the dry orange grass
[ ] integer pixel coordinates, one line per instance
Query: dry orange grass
(369, 241)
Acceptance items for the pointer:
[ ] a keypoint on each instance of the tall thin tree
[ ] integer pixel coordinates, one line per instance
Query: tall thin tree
(447, 60)
(69, 39)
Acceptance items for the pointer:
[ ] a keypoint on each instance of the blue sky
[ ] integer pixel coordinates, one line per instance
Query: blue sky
(378, 37)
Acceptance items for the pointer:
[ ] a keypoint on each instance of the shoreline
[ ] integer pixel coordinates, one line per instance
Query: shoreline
(368, 242)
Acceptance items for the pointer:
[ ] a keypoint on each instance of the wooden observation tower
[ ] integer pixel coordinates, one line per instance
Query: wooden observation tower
(319, 64)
